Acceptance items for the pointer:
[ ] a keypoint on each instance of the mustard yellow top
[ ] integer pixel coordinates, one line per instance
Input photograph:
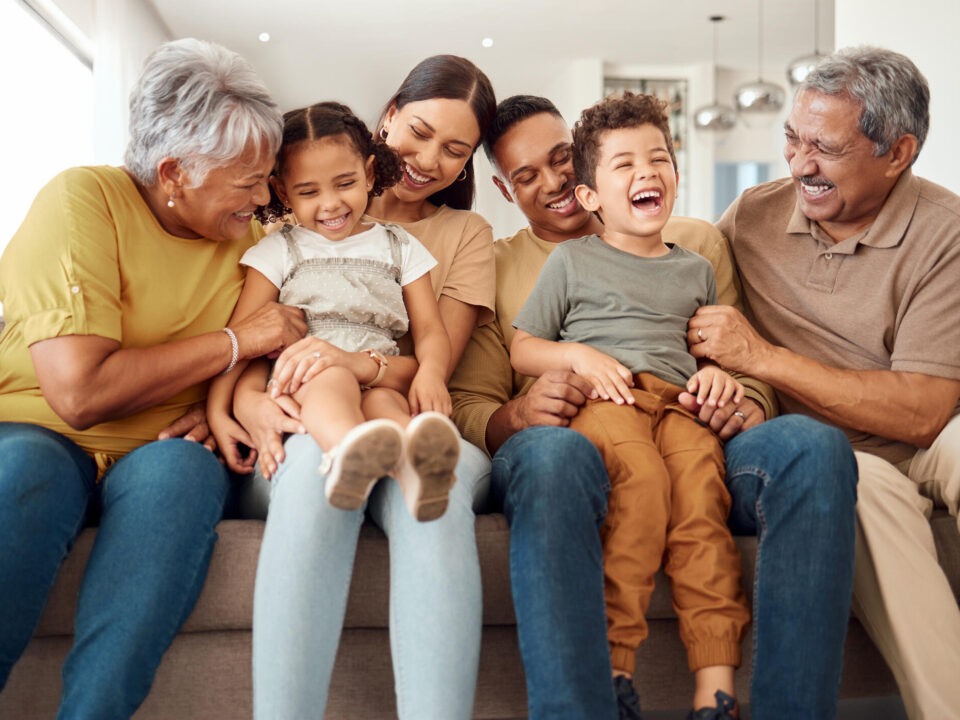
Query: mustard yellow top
(91, 259)
(484, 379)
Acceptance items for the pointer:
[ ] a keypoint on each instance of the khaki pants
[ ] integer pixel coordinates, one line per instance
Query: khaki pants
(666, 495)
(901, 594)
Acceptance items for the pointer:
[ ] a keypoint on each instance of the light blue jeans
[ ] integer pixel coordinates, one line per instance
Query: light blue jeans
(303, 578)
(158, 508)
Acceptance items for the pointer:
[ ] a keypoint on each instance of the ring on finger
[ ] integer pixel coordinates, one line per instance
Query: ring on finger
(700, 334)
(740, 415)
(317, 355)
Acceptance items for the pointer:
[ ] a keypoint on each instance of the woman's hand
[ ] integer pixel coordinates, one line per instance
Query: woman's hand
(269, 329)
(307, 358)
(266, 420)
(428, 392)
(192, 426)
(609, 378)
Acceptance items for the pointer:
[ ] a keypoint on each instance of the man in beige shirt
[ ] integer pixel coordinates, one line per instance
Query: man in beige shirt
(792, 479)
(849, 272)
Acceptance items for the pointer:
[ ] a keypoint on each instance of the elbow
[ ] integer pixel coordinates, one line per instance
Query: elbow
(76, 410)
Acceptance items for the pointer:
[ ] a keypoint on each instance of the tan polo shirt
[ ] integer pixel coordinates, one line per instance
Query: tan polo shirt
(885, 299)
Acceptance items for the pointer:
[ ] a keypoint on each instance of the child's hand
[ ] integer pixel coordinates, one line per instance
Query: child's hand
(713, 386)
(229, 433)
(610, 379)
(428, 392)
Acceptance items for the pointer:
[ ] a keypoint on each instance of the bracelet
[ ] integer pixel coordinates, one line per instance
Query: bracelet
(381, 369)
(235, 350)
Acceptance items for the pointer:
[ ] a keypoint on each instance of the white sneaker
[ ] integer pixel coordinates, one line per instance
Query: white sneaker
(426, 471)
(366, 453)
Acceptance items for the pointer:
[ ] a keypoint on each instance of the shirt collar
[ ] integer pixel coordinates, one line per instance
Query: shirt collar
(891, 223)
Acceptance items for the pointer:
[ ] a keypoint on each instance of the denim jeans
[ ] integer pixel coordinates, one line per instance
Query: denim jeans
(553, 487)
(158, 508)
(793, 483)
(303, 578)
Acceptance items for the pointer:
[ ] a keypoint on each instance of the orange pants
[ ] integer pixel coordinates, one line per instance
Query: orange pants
(666, 496)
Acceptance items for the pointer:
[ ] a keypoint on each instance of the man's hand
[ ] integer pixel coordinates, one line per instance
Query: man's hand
(553, 399)
(728, 420)
(192, 426)
(722, 334)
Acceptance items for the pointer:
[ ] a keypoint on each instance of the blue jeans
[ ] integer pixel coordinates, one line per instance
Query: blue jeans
(553, 487)
(158, 508)
(303, 578)
(793, 482)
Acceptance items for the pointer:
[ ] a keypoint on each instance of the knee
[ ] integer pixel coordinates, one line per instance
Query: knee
(37, 460)
(184, 471)
(818, 465)
(550, 465)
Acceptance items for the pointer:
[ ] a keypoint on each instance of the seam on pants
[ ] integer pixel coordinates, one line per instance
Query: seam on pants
(758, 563)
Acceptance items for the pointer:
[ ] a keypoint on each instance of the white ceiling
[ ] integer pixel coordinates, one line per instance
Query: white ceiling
(358, 52)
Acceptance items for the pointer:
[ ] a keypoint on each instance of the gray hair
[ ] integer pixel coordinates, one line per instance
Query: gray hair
(893, 95)
(202, 104)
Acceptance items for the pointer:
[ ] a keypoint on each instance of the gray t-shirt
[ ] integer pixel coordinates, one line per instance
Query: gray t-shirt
(634, 309)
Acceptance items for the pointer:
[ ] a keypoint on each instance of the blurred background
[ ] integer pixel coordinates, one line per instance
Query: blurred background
(69, 65)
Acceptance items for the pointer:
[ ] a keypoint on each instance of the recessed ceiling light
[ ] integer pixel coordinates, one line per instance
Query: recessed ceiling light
(264, 37)
(487, 42)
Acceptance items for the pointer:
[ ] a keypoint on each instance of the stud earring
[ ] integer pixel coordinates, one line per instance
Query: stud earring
(383, 133)
(170, 201)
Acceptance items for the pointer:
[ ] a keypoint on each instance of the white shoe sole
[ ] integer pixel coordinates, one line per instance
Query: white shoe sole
(367, 453)
(432, 451)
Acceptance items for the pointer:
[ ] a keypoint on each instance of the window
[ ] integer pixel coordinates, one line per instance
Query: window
(48, 111)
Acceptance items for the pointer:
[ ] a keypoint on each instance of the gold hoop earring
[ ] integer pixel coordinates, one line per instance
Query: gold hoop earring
(462, 176)
(383, 133)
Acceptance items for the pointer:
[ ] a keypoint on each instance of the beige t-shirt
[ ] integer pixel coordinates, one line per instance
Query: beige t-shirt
(462, 244)
(91, 259)
(484, 380)
(885, 299)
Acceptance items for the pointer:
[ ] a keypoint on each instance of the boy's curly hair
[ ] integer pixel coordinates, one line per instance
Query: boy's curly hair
(327, 119)
(613, 113)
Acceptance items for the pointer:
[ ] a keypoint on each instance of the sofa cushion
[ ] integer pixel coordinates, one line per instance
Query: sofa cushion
(227, 599)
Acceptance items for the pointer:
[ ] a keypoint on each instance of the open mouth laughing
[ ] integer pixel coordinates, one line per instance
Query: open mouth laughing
(647, 201)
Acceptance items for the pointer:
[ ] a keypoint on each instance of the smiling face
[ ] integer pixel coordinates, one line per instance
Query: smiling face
(636, 185)
(840, 184)
(434, 139)
(221, 207)
(325, 182)
(535, 159)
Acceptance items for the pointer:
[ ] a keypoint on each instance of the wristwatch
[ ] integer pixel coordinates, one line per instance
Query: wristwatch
(381, 370)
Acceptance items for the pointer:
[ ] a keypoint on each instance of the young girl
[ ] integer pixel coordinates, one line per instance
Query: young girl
(358, 283)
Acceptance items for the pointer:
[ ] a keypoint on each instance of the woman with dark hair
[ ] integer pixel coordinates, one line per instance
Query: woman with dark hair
(434, 122)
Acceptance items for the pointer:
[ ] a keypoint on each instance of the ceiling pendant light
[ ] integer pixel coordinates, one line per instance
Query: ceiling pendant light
(759, 102)
(715, 117)
(798, 70)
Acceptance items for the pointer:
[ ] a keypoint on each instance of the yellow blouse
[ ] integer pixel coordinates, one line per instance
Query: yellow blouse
(91, 259)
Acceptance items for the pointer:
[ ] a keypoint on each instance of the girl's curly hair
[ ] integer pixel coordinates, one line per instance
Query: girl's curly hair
(327, 119)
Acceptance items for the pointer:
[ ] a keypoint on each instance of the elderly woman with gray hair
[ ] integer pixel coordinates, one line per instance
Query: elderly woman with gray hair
(117, 289)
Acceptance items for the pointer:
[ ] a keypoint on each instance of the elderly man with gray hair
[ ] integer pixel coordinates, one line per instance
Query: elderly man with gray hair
(849, 271)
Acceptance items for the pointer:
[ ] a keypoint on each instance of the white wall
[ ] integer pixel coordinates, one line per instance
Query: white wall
(126, 32)
(926, 32)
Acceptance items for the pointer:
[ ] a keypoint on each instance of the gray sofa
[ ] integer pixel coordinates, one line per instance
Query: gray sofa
(206, 673)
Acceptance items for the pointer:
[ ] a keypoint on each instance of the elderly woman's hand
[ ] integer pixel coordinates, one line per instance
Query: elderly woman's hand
(269, 330)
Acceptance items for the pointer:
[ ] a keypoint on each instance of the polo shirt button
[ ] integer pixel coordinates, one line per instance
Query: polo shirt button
(829, 256)
(75, 289)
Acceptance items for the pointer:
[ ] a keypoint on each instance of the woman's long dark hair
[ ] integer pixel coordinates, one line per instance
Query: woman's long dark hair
(453, 78)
